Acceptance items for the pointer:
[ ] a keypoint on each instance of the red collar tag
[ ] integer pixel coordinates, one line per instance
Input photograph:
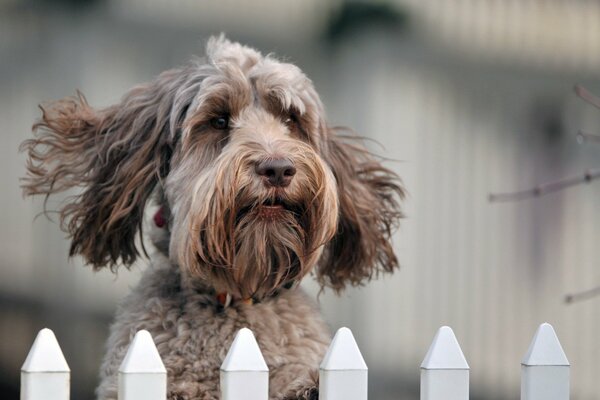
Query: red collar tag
(159, 218)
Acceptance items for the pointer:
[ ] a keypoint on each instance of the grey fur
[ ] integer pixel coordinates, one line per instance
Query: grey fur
(192, 334)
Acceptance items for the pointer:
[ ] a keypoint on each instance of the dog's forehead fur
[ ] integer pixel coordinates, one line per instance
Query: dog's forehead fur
(239, 76)
(219, 49)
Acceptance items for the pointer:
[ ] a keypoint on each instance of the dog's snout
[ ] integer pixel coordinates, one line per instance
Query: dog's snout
(276, 171)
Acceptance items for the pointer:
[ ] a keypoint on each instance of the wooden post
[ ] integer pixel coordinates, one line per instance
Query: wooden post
(142, 375)
(244, 373)
(545, 368)
(343, 374)
(444, 371)
(45, 374)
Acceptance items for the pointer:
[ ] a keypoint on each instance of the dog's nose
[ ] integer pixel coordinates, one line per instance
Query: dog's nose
(276, 171)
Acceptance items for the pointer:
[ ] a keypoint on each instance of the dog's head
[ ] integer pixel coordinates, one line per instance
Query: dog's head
(255, 187)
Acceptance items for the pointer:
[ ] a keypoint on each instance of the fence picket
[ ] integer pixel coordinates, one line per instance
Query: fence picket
(142, 375)
(244, 373)
(444, 371)
(343, 374)
(545, 368)
(45, 374)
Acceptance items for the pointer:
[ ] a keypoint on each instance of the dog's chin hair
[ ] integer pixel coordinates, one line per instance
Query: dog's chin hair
(266, 253)
(270, 252)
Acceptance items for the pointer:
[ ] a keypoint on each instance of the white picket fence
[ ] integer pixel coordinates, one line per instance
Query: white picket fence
(45, 374)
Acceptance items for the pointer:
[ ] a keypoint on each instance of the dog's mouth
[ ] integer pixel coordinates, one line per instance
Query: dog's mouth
(274, 203)
(272, 208)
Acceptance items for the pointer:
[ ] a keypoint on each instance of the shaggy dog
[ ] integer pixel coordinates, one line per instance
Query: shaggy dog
(253, 192)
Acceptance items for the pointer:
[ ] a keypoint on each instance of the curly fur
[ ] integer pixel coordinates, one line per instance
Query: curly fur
(223, 233)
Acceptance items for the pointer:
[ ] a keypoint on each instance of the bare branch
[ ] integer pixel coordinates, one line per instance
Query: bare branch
(585, 137)
(587, 96)
(583, 295)
(545, 188)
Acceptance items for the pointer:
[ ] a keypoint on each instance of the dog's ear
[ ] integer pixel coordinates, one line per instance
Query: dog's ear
(369, 209)
(113, 156)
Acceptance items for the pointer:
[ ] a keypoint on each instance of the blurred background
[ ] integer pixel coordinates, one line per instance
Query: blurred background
(466, 97)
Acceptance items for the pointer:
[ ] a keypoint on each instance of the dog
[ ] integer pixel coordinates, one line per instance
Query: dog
(252, 190)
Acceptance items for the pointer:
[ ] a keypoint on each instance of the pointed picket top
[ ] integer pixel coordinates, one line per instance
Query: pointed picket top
(545, 348)
(244, 354)
(142, 356)
(444, 352)
(45, 354)
(343, 353)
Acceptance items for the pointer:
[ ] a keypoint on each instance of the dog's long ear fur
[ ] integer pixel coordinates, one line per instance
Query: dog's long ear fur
(115, 156)
(369, 197)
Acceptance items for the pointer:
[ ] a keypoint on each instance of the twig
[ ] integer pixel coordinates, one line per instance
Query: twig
(546, 188)
(587, 96)
(584, 137)
(583, 295)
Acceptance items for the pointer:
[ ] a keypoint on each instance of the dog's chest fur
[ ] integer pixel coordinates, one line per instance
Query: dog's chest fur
(193, 333)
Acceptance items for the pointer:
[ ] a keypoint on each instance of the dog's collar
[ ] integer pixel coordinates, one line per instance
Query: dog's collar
(225, 299)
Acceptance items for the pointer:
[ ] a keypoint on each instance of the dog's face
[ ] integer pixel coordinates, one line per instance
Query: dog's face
(253, 202)
(256, 188)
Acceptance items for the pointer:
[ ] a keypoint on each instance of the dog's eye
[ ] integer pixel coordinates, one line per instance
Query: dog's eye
(290, 119)
(220, 123)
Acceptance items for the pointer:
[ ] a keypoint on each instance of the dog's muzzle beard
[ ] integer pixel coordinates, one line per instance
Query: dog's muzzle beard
(252, 246)
(266, 245)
